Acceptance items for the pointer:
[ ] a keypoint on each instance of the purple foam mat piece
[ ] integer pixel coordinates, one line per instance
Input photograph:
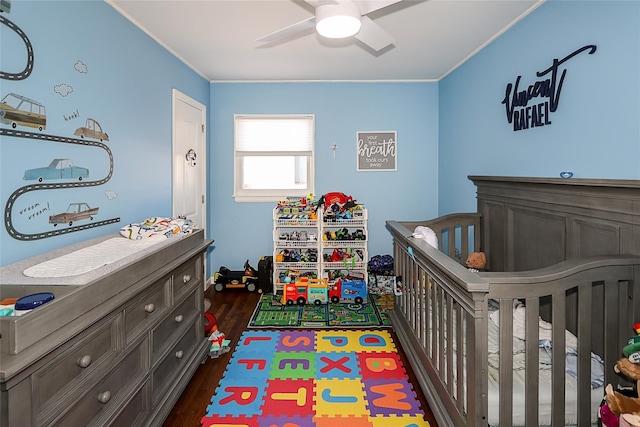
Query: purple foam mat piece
(286, 421)
(391, 397)
(296, 340)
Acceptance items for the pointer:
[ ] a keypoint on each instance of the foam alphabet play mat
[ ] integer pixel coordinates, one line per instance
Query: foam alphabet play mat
(315, 378)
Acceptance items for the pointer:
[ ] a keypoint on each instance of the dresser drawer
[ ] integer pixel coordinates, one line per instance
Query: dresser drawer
(104, 396)
(186, 275)
(136, 411)
(165, 374)
(182, 315)
(146, 310)
(83, 357)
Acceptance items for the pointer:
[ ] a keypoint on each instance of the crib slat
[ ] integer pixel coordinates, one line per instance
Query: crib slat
(449, 333)
(506, 362)
(558, 390)
(452, 242)
(419, 295)
(611, 310)
(460, 358)
(585, 307)
(427, 317)
(414, 303)
(532, 360)
(434, 324)
(441, 336)
(476, 372)
(464, 239)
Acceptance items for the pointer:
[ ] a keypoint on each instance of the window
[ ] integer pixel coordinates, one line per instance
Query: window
(273, 156)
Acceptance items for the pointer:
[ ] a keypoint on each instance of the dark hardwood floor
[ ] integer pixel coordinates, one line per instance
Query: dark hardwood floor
(233, 310)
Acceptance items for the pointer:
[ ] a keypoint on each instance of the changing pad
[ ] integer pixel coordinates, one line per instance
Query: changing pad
(90, 258)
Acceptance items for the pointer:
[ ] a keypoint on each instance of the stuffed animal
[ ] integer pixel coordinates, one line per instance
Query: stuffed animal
(627, 368)
(476, 261)
(427, 234)
(606, 418)
(629, 420)
(632, 349)
(620, 403)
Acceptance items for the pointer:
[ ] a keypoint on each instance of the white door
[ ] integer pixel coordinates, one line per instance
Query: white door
(189, 154)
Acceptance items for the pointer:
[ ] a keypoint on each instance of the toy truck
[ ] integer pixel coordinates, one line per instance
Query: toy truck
(305, 290)
(348, 291)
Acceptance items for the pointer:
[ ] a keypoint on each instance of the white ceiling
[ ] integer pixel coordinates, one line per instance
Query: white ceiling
(217, 38)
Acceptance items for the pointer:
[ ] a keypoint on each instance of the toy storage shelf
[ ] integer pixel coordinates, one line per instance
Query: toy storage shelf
(344, 244)
(319, 245)
(356, 266)
(295, 243)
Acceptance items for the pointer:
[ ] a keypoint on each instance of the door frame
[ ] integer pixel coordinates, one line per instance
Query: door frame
(201, 150)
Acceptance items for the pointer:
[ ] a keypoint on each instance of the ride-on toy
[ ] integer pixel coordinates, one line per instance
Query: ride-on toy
(236, 279)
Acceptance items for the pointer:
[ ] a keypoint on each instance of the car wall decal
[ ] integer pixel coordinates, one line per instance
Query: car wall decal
(44, 186)
(57, 169)
(75, 212)
(91, 129)
(17, 111)
(29, 65)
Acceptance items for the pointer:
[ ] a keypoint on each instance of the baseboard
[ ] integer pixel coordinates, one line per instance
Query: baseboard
(208, 283)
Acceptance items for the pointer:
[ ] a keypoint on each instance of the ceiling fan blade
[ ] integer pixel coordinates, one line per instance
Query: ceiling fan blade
(368, 6)
(316, 3)
(291, 29)
(373, 35)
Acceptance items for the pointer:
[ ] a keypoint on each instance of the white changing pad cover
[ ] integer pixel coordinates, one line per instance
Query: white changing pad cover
(90, 258)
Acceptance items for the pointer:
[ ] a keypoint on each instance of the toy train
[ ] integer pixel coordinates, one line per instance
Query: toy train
(318, 291)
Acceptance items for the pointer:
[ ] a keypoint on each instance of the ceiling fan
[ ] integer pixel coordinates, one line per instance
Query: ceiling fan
(341, 19)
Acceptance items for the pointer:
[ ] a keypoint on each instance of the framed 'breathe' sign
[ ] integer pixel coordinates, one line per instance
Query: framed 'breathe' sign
(377, 151)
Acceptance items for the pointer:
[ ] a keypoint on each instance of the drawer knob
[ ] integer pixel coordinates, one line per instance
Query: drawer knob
(186, 278)
(149, 308)
(179, 354)
(179, 318)
(104, 397)
(84, 361)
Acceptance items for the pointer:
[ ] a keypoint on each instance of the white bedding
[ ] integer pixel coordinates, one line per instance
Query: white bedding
(136, 237)
(597, 393)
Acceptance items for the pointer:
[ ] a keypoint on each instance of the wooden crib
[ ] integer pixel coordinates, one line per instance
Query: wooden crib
(569, 251)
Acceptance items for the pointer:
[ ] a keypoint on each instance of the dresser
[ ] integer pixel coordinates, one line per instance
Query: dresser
(115, 350)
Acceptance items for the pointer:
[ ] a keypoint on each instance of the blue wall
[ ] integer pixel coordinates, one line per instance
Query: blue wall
(244, 230)
(127, 87)
(446, 130)
(595, 131)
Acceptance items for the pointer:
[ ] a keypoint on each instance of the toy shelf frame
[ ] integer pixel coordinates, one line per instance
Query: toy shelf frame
(285, 224)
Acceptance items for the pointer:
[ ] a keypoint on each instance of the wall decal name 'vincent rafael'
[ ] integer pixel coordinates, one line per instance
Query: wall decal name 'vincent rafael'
(525, 116)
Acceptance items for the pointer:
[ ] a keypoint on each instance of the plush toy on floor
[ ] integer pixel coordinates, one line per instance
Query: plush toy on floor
(476, 261)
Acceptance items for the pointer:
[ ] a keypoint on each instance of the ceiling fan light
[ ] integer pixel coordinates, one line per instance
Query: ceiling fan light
(337, 21)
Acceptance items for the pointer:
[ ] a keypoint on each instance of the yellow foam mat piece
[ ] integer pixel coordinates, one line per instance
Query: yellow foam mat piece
(340, 396)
